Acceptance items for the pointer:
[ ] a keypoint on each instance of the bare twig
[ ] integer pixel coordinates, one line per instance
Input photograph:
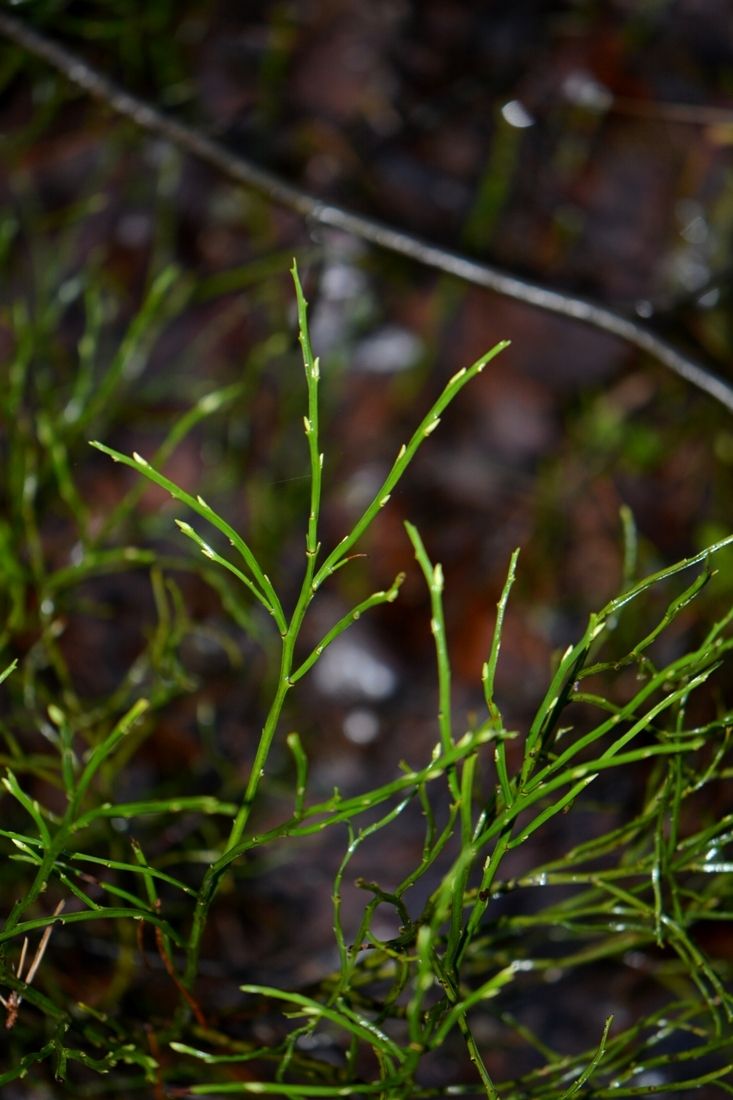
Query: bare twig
(691, 114)
(243, 171)
(171, 971)
(12, 1003)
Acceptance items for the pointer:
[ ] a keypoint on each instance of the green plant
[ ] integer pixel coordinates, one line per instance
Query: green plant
(481, 928)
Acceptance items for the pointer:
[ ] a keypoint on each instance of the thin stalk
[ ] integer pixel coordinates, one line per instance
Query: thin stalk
(434, 579)
(212, 878)
(287, 658)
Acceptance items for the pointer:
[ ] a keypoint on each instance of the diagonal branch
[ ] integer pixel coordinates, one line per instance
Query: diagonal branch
(243, 171)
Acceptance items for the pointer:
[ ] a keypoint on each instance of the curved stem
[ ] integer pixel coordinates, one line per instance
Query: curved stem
(212, 878)
(245, 172)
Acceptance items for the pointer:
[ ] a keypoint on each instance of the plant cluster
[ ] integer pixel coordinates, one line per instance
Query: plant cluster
(630, 749)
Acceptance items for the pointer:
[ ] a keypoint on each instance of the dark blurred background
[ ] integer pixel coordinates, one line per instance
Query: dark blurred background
(587, 145)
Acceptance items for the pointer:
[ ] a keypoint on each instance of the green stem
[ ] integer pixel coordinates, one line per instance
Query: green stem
(290, 634)
(212, 878)
(38, 885)
(263, 749)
